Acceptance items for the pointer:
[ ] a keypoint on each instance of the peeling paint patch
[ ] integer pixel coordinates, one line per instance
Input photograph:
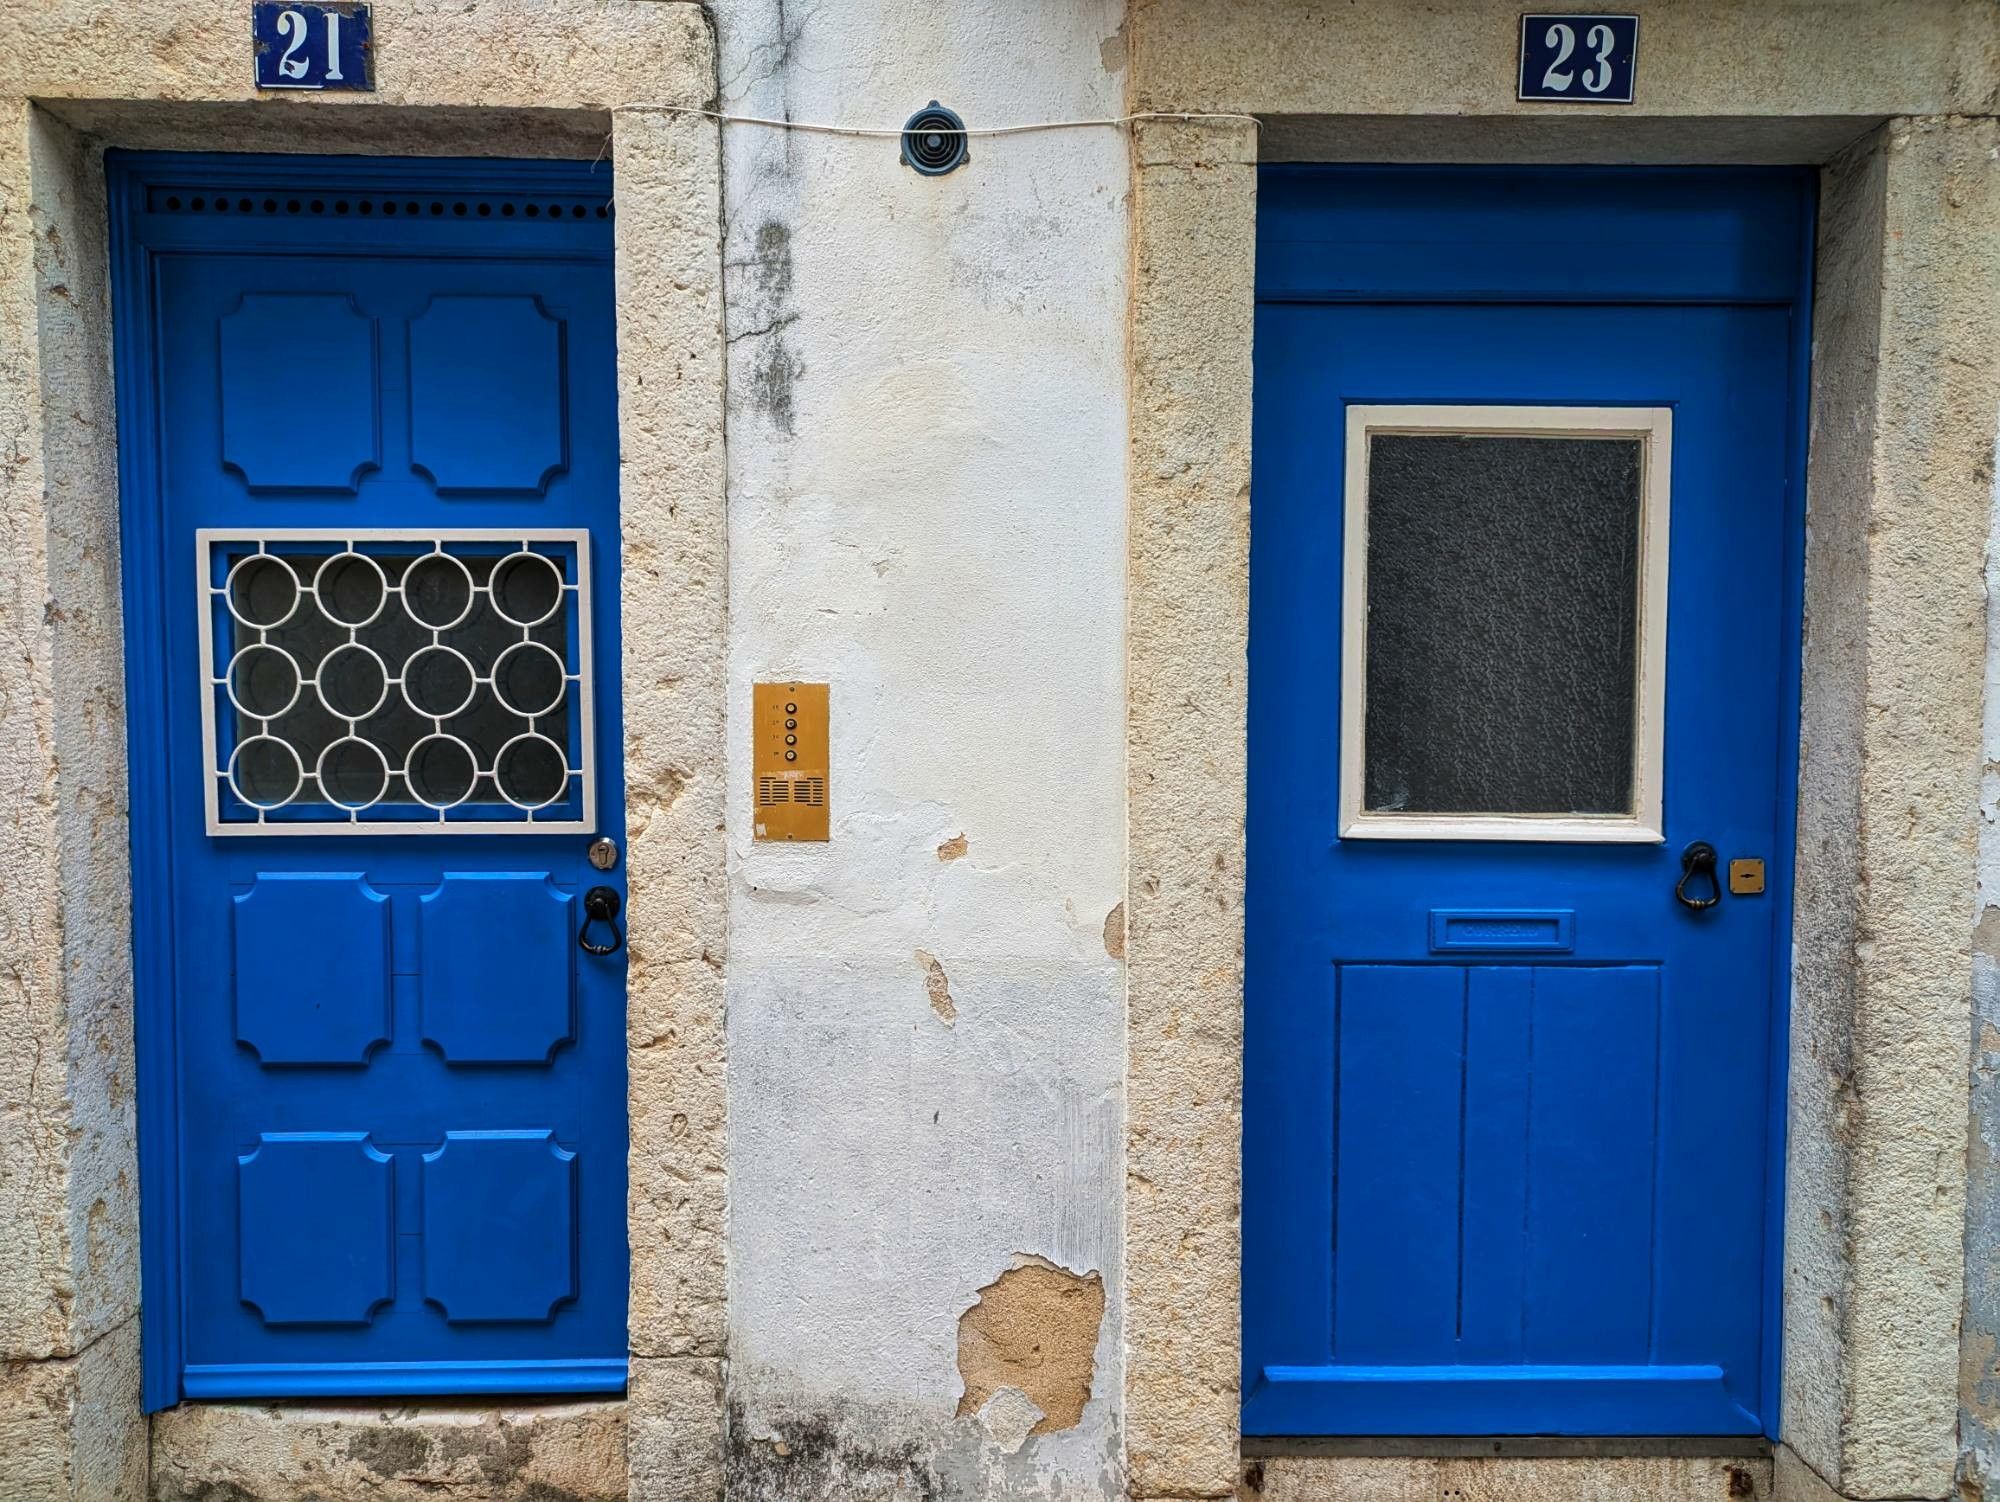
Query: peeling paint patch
(938, 986)
(954, 848)
(1986, 937)
(1114, 932)
(1033, 1329)
(1113, 52)
(1009, 1417)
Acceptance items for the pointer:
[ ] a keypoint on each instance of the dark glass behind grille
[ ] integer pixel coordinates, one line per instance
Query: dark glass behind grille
(1502, 623)
(483, 724)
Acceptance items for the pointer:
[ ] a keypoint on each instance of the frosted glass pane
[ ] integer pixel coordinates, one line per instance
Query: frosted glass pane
(1502, 641)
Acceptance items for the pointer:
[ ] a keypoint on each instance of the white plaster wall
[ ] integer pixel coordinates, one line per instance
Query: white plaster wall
(926, 441)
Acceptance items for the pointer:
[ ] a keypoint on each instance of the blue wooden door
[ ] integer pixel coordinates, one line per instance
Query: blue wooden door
(1525, 561)
(371, 558)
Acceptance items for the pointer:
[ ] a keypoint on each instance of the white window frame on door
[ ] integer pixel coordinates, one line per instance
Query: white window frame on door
(1653, 426)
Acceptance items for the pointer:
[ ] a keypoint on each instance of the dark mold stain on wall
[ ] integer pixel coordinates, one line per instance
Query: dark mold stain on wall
(764, 309)
(807, 1459)
(389, 1451)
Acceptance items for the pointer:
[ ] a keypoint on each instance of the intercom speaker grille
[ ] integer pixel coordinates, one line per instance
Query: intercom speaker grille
(810, 791)
(934, 140)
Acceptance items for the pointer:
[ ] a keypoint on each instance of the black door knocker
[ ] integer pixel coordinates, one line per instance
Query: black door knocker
(600, 905)
(1698, 862)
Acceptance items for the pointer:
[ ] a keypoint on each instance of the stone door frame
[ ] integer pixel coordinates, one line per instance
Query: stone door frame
(449, 83)
(1905, 390)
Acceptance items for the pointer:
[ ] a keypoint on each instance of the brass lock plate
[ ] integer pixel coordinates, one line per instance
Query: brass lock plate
(1746, 877)
(788, 761)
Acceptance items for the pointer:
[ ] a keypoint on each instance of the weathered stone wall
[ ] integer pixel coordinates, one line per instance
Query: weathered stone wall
(1194, 249)
(669, 285)
(69, 1246)
(1849, 321)
(1714, 60)
(1899, 505)
(1473, 1478)
(70, 1426)
(1971, 181)
(543, 1452)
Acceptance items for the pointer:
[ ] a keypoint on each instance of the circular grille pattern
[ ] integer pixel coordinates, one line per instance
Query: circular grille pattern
(352, 681)
(396, 683)
(262, 592)
(529, 679)
(934, 140)
(353, 773)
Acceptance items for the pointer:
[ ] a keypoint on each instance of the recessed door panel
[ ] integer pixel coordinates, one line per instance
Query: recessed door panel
(312, 968)
(265, 339)
(499, 969)
(488, 395)
(317, 1239)
(499, 1226)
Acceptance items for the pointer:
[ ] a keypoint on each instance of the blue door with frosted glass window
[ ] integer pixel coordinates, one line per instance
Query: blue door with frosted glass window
(369, 507)
(1526, 524)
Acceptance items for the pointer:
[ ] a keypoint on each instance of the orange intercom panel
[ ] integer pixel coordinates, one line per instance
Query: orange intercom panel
(788, 760)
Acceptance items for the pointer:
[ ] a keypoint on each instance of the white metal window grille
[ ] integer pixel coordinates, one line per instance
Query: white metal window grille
(383, 682)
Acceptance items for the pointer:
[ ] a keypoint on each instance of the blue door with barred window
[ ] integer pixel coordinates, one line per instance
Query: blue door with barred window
(1526, 531)
(369, 462)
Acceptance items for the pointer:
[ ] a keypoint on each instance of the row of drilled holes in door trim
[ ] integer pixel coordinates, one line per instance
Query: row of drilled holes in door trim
(161, 201)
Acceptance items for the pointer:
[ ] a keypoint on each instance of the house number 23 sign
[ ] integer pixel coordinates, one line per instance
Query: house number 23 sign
(1579, 59)
(300, 46)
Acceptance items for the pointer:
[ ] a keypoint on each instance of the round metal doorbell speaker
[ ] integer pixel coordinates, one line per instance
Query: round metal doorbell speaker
(934, 140)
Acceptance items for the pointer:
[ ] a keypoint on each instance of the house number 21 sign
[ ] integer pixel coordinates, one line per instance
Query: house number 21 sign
(299, 46)
(1579, 59)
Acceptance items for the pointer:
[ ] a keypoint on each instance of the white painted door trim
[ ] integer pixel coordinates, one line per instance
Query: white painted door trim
(1653, 426)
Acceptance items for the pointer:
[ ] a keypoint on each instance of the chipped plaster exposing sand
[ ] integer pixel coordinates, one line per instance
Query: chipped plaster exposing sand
(1033, 1331)
(937, 986)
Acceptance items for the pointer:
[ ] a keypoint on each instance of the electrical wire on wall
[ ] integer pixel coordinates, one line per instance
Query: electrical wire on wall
(935, 138)
(893, 132)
